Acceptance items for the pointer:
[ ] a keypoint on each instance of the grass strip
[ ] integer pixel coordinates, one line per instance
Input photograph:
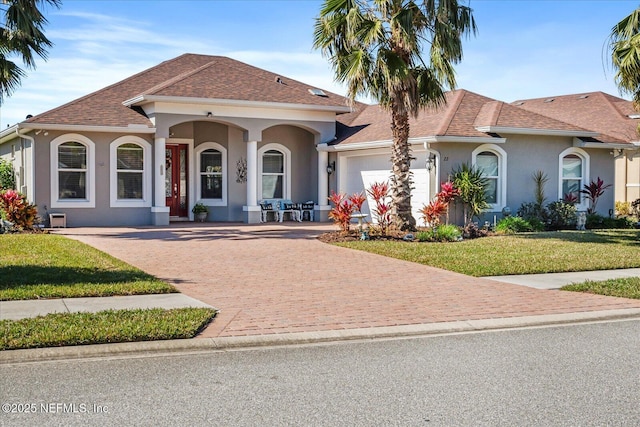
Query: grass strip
(36, 266)
(527, 253)
(628, 287)
(110, 326)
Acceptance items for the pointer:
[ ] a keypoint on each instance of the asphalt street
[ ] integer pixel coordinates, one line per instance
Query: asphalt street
(569, 375)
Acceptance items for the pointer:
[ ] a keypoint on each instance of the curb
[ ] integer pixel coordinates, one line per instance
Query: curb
(155, 348)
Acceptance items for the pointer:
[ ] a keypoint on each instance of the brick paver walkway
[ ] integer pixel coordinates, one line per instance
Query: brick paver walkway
(273, 278)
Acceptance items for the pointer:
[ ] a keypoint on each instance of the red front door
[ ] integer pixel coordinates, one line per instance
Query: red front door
(176, 180)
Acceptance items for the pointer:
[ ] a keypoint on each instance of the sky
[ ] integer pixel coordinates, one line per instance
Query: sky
(523, 49)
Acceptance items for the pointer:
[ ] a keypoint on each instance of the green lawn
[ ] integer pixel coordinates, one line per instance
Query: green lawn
(111, 326)
(626, 287)
(50, 266)
(528, 253)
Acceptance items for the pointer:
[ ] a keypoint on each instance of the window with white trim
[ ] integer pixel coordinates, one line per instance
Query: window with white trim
(274, 172)
(273, 175)
(487, 162)
(72, 172)
(211, 181)
(574, 174)
(130, 172)
(492, 161)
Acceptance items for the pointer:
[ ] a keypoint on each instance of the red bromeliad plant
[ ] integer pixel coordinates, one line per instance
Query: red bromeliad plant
(447, 193)
(17, 210)
(379, 192)
(439, 206)
(344, 207)
(593, 191)
(432, 212)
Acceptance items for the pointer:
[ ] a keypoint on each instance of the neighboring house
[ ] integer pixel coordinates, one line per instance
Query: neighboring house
(509, 143)
(214, 130)
(616, 122)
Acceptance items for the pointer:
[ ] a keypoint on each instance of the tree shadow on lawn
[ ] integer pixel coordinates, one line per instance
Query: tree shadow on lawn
(617, 237)
(12, 276)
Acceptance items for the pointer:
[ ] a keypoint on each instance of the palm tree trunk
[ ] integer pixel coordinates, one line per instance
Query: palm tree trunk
(401, 181)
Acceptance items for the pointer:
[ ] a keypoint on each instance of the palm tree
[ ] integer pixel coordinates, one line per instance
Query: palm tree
(375, 47)
(624, 45)
(21, 35)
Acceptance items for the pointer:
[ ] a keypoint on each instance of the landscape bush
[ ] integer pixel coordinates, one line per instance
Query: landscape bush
(442, 233)
(562, 215)
(513, 224)
(17, 210)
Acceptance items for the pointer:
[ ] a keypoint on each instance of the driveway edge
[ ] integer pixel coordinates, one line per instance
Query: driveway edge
(245, 342)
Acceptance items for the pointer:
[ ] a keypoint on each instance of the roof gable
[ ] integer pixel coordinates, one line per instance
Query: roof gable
(187, 76)
(461, 117)
(596, 111)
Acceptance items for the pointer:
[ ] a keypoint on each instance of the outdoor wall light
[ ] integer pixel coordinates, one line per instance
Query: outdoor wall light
(209, 114)
(331, 167)
(431, 162)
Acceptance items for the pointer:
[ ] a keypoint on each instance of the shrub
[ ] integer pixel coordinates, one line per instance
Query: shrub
(623, 208)
(562, 215)
(593, 191)
(471, 184)
(342, 210)
(7, 175)
(595, 221)
(534, 213)
(17, 210)
(472, 231)
(442, 233)
(513, 224)
(379, 192)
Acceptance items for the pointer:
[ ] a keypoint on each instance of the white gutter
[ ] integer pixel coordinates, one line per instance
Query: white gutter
(467, 139)
(603, 145)
(132, 128)
(532, 131)
(413, 141)
(145, 99)
(32, 178)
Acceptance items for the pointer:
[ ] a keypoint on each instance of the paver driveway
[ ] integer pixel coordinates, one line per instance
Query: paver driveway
(274, 278)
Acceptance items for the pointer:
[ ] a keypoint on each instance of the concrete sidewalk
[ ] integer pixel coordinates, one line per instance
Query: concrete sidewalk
(558, 280)
(14, 310)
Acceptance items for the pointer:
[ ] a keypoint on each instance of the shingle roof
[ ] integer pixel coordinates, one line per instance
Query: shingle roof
(190, 76)
(596, 111)
(462, 114)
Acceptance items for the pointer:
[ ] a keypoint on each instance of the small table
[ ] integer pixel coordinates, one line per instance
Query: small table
(360, 218)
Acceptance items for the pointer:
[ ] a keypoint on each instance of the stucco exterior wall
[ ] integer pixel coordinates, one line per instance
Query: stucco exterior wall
(102, 214)
(304, 160)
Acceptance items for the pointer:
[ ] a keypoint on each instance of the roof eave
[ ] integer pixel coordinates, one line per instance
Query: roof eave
(603, 145)
(413, 141)
(147, 99)
(534, 131)
(132, 128)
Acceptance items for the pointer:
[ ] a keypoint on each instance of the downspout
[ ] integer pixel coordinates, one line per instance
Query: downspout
(32, 182)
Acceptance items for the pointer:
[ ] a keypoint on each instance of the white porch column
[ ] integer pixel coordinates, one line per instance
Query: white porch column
(252, 173)
(159, 211)
(323, 178)
(252, 210)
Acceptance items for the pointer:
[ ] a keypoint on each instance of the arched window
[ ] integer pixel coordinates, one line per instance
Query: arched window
(72, 172)
(272, 175)
(275, 172)
(574, 174)
(492, 161)
(212, 174)
(130, 172)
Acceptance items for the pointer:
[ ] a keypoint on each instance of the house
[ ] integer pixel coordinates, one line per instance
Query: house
(508, 142)
(213, 130)
(616, 122)
(146, 149)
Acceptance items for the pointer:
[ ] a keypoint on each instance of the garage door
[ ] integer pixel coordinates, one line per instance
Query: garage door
(363, 171)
